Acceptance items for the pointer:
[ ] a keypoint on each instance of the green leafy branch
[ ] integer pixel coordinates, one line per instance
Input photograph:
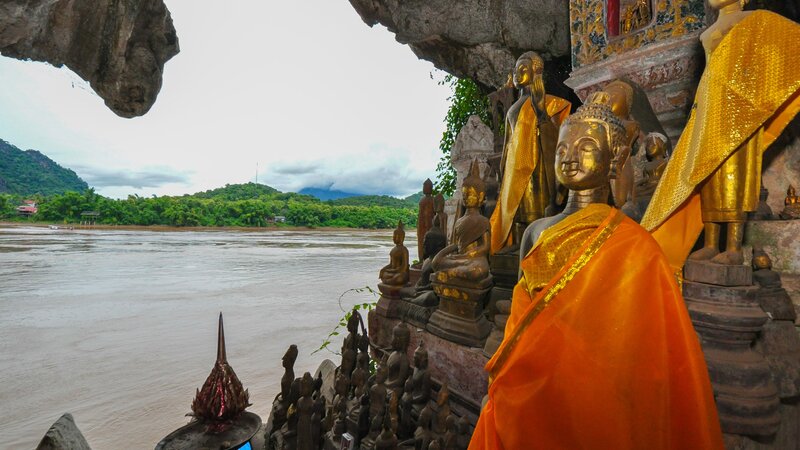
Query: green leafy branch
(366, 306)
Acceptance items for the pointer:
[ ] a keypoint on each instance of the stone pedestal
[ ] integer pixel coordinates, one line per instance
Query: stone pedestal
(459, 317)
(391, 297)
(725, 312)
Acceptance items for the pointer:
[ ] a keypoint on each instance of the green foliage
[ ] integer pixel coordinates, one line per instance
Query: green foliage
(376, 200)
(247, 205)
(467, 100)
(30, 172)
(366, 307)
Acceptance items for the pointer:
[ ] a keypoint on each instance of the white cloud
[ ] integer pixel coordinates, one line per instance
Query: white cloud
(273, 84)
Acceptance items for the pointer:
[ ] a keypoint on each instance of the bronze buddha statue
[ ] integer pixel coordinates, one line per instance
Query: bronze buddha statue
(396, 272)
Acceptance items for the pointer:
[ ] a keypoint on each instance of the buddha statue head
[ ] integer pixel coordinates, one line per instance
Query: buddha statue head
(289, 357)
(528, 67)
(306, 385)
(620, 98)
(400, 337)
(655, 146)
(421, 356)
(380, 375)
(399, 234)
(791, 196)
(473, 189)
(427, 187)
(761, 260)
(591, 146)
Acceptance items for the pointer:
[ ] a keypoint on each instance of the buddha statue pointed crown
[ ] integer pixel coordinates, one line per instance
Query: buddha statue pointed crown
(474, 179)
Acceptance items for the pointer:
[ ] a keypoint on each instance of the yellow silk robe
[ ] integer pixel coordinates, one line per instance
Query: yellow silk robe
(522, 164)
(749, 92)
(599, 352)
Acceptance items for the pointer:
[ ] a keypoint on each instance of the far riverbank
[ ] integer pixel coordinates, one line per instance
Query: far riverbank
(162, 228)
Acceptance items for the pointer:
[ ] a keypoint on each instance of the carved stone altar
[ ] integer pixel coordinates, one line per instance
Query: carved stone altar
(725, 311)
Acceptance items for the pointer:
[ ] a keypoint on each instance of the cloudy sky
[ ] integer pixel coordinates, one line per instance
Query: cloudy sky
(302, 90)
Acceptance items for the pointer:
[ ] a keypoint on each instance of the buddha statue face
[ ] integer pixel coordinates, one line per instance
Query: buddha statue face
(400, 336)
(398, 236)
(583, 159)
(528, 66)
(473, 189)
(421, 357)
(590, 146)
(472, 197)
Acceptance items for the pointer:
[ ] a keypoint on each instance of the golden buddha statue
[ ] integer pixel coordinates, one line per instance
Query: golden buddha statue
(621, 101)
(528, 184)
(713, 176)
(464, 262)
(396, 272)
(791, 205)
(599, 350)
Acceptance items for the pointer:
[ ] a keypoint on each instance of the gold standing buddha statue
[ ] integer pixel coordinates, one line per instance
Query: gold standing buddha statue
(528, 183)
(748, 93)
(599, 351)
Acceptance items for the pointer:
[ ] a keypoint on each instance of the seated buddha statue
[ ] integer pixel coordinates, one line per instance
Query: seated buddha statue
(464, 262)
(791, 205)
(599, 351)
(655, 151)
(396, 272)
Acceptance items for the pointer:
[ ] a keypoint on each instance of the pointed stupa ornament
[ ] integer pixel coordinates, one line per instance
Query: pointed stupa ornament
(222, 397)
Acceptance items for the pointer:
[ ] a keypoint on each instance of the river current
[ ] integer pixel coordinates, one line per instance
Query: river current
(119, 327)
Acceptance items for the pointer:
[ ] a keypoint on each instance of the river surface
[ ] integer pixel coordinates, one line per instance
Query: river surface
(119, 327)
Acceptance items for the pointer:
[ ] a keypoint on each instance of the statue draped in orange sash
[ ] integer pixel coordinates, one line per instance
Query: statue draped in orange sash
(749, 92)
(528, 184)
(599, 351)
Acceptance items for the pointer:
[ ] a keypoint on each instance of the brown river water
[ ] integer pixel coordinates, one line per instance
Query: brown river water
(119, 327)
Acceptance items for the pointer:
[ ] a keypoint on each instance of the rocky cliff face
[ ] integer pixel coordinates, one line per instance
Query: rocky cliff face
(479, 39)
(118, 46)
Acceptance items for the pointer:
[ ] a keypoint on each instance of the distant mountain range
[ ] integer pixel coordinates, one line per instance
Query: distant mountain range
(326, 193)
(30, 172)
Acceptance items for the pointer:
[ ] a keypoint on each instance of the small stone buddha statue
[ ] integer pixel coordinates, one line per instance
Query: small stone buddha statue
(280, 406)
(791, 209)
(425, 215)
(438, 211)
(420, 378)
(305, 411)
(424, 435)
(406, 405)
(464, 262)
(397, 365)
(763, 274)
(377, 393)
(435, 241)
(396, 272)
(387, 439)
(442, 410)
(655, 148)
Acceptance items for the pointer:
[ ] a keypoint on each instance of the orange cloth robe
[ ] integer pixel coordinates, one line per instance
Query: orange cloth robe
(601, 354)
(749, 92)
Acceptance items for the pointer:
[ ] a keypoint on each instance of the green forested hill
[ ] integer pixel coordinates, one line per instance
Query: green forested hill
(30, 172)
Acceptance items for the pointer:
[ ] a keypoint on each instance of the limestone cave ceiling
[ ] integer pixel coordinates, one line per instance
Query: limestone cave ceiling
(118, 46)
(479, 39)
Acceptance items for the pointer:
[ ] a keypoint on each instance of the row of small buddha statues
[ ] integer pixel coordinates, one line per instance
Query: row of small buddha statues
(389, 409)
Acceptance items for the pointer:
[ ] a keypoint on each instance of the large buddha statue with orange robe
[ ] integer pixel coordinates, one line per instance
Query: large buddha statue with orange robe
(749, 91)
(599, 351)
(528, 184)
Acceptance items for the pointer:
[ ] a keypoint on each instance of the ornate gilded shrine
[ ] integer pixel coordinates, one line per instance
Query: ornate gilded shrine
(660, 53)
